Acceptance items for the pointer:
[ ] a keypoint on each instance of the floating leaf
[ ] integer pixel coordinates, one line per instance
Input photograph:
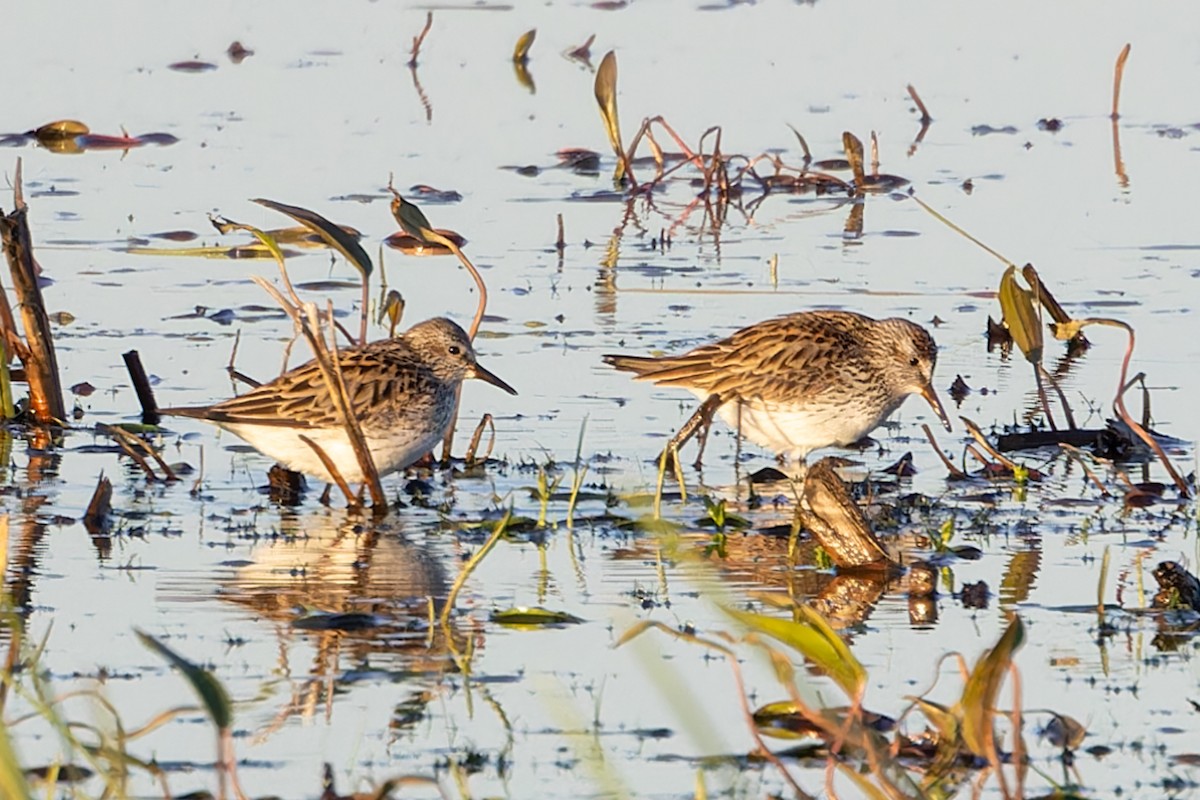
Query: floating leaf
(60, 129)
(521, 51)
(812, 637)
(606, 95)
(212, 694)
(334, 235)
(411, 245)
(979, 695)
(784, 720)
(533, 617)
(1020, 315)
(348, 621)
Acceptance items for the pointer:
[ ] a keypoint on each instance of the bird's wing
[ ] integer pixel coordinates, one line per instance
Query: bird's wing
(787, 356)
(300, 399)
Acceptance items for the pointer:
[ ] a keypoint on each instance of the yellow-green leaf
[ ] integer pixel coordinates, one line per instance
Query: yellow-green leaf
(978, 701)
(784, 720)
(61, 129)
(1020, 315)
(606, 95)
(530, 617)
(12, 778)
(206, 685)
(942, 718)
(521, 51)
(813, 638)
(866, 789)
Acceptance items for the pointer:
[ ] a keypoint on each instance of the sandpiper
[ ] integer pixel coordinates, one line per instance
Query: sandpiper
(402, 391)
(802, 381)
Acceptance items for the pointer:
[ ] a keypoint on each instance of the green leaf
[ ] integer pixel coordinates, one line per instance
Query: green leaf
(7, 410)
(978, 701)
(12, 778)
(533, 617)
(1020, 315)
(212, 694)
(332, 234)
(813, 638)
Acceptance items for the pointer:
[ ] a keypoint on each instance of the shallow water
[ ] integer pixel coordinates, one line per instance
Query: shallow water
(319, 117)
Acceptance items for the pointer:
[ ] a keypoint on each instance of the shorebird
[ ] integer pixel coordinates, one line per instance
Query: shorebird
(402, 391)
(800, 382)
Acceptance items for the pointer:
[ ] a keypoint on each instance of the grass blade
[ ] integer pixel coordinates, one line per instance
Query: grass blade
(208, 688)
(979, 695)
(811, 636)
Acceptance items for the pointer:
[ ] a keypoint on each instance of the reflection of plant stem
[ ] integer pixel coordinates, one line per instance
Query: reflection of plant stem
(1119, 403)
(581, 471)
(497, 532)
(1062, 398)
(428, 106)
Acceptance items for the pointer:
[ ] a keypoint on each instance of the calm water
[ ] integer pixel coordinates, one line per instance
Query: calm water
(319, 117)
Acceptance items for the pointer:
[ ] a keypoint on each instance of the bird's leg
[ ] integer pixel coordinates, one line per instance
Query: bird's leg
(325, 494)
(700, 420)
(704, 427)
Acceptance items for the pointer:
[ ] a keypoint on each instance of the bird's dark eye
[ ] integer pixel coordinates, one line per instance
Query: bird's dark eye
(456, 350)
(914, 361)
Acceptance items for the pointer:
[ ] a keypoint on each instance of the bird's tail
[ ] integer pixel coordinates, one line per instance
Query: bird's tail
(638, 365)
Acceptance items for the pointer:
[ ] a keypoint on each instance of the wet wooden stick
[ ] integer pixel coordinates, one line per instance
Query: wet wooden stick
(1077, 455)
(1118, 74)
(135, 455)
(473, 446)
(95, 519)
(137, 442)
(916, 98)
(978, 436)
(41, 366)
(141, 385)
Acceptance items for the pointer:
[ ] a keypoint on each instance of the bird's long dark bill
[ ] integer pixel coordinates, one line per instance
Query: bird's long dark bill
(485, 375)
(931, 397)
